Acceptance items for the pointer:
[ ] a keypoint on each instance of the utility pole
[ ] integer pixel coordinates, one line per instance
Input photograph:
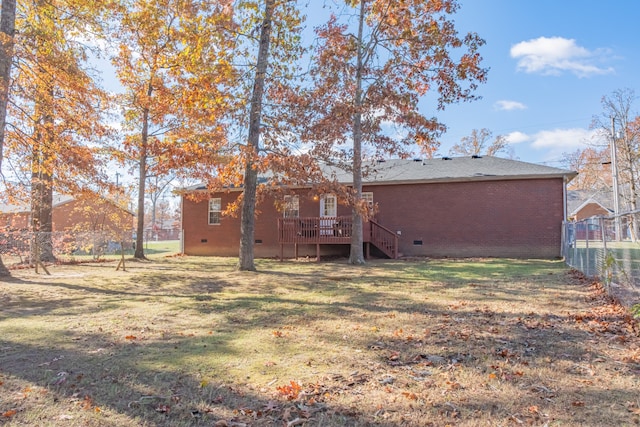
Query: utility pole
(614, 173)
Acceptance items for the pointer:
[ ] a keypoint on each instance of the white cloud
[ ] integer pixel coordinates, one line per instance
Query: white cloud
(506, 105)
(558, 141)
(556, 55)
(517, 137)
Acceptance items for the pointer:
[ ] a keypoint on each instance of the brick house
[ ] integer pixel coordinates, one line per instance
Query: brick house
(449, 207)
(79, 214)
(586, 204)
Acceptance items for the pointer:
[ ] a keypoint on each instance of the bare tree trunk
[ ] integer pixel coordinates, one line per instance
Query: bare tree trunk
(7, 32)
(247, 223)
(356, 255)
(42, 173)
(142, 178)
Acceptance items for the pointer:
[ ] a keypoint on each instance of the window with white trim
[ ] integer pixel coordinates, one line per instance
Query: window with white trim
(291, 206)
(215, 211)
(367, 196)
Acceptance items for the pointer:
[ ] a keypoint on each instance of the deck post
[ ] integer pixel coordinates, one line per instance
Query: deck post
(317, 252)
(281, 252)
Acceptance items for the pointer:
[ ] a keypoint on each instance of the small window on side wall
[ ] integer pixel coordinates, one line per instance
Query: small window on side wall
(291, 207)
(215, 211)
(367, 196)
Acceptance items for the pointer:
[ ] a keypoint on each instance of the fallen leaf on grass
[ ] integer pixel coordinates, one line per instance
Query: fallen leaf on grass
(130, 337)
(577, 403)
(409, 395)
(87, 403)
(290, 391)
(8, 414)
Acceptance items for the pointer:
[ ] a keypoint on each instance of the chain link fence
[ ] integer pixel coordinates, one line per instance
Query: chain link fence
(28, 248)
(608, 249)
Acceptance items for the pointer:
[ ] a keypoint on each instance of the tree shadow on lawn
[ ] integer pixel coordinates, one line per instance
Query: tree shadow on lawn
(139, 380)
(134, 383)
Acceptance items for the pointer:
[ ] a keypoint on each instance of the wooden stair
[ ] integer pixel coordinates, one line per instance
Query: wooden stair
(384, 239)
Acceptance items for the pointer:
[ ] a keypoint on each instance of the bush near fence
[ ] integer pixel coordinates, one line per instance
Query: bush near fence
(607, 248)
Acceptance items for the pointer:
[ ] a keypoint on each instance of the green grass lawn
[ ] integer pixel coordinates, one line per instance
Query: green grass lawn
(190, 341)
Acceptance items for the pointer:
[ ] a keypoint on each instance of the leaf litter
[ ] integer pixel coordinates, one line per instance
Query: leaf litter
(412, 357)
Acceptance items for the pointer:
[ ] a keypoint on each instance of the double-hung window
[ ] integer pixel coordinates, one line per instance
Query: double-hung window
(291, 207)
(215, 211)
(367, 196)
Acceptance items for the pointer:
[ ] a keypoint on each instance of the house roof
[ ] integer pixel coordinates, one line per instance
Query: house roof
(445, 169)
(448, 169)
(58, 200)
(578, 199)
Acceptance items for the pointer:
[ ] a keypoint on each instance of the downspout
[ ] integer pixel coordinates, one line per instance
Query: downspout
(563, 228)
(182, 224)
(564, 198)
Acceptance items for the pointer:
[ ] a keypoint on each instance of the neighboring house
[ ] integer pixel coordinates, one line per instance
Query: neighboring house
(166, 229)
(582, 204)
(80, 214)
(449, 207)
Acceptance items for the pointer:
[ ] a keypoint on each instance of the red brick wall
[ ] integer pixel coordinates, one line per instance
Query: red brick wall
(92, 215)
(518, 218)
(77, 215)
(200, 238)
(15, 221)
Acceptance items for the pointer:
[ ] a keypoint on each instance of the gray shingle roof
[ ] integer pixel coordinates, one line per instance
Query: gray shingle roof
(402, 171)
(577, 198)
(453, 169)
(58, 199)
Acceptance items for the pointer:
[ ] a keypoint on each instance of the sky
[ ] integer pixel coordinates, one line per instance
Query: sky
(551, 62)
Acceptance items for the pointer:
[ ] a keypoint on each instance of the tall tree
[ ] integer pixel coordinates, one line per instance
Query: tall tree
(593, 167)
(7, 32)
(247, 220)
(173, 63)
(368, 80)
(156, 189)
(479, 144)
(267, 47)
(56, 106)
(621, 126)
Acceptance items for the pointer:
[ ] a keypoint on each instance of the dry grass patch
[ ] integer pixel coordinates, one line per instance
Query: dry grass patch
(190, 341)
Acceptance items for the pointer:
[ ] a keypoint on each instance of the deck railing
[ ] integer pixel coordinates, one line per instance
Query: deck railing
(313, 230)
(335, 230)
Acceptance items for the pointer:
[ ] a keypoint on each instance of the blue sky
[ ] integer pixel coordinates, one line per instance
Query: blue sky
(551, 62)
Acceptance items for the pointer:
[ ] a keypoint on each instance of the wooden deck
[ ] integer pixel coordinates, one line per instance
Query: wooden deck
(332, 231)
